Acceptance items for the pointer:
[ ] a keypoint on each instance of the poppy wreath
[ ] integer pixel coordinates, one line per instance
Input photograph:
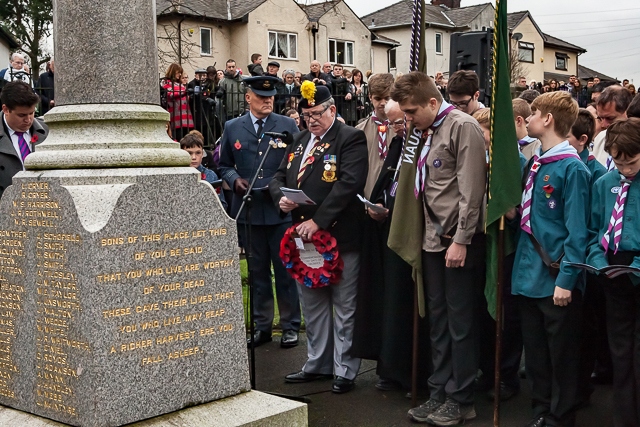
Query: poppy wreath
(326, 245)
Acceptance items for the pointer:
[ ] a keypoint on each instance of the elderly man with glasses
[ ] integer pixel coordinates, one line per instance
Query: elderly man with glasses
(326, 162)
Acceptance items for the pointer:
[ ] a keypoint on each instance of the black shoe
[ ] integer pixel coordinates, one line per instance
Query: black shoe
(536, 422)
(388, 385)
(259, 338)
(506, 392)
(342, 385)
(305, 377)
(289, 339)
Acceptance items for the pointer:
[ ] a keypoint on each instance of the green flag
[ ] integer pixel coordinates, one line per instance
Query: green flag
(505, 188)
(405, 233)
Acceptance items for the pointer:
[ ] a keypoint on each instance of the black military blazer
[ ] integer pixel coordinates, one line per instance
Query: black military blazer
(332, 181)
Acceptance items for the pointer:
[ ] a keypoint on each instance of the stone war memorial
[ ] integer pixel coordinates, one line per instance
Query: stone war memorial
(120, 294)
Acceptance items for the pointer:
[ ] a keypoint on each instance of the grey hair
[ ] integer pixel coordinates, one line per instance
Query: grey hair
(328, 103)
(289, 72)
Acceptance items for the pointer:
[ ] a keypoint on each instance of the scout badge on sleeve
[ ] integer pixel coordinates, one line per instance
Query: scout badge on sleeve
(329, 172)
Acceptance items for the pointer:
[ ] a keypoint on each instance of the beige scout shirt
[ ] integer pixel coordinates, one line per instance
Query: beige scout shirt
(456, 181)
(370, 129)
(530, 149)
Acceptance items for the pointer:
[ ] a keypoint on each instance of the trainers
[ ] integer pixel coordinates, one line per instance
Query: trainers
(422, 412)
(452, 413)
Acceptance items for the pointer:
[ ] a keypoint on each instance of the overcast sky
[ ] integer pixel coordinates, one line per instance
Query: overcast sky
(610, 36)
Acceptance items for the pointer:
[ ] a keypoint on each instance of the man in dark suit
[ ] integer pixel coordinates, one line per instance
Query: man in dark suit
(20, 131)
(46, 89)
(327, 162)
(243, 143)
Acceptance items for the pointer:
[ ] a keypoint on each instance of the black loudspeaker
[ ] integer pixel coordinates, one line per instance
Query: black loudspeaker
(473, 51)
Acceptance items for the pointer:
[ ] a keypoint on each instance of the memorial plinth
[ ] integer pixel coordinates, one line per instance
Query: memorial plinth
(120, 295)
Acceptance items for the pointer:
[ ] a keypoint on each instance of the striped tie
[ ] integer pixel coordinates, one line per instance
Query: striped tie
(309, 160)
(23, 145)
(382, 136)
(615, 224)
(525, 222)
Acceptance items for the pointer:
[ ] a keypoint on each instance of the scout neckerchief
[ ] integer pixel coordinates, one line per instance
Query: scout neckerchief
(611, 165)
(559, 152)
(309, 160)
(383, 127)
(615, 224)
(525, 141)
(421, 172)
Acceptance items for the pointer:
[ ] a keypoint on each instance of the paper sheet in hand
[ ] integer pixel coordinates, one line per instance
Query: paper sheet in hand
(374, 208)
(297, 196)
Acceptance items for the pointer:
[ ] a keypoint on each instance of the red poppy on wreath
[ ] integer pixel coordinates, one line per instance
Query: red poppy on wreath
(34, 139)
(326, 245)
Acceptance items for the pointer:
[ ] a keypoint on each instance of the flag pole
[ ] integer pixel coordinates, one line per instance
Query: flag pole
(415, 64)
(499, 290)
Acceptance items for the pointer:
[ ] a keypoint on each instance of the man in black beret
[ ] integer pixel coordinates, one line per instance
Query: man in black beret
(328, 162)
(243, 143)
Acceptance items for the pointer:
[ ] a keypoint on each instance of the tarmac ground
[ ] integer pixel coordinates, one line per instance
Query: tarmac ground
(367, 406)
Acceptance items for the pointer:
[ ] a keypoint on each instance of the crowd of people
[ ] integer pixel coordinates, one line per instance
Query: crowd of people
(426, 142)
(583, 94)
(574, 328)
(213, 97)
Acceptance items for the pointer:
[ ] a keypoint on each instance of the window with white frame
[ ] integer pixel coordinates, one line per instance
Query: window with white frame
(341, 52)
(525, 51)
(439, 43)
(283, 45)
(205, 41)
(392, 59)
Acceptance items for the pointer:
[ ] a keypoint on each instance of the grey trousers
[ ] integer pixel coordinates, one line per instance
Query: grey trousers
(329, 315)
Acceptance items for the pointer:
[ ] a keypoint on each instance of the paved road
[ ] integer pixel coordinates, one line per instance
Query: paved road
(366, 406)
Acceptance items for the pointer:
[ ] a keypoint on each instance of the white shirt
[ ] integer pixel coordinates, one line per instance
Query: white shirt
(598, 148)
(14, 140)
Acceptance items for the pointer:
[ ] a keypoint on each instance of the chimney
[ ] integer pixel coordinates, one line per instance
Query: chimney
(451, 4)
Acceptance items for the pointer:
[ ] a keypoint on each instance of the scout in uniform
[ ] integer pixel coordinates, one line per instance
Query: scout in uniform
(243, 143)
(553, 230)
(377, 128)
(615, 240)
(450, 183)
(594, 336)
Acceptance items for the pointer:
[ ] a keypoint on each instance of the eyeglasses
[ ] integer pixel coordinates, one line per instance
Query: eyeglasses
(461, 104)
(315, 116)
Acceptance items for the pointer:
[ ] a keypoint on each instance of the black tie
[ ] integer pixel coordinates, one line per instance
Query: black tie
(260, 123)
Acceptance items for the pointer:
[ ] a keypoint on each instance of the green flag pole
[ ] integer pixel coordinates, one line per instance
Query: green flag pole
(504, 190)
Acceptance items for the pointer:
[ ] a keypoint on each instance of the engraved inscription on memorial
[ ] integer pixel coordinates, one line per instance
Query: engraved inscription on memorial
(57, 296)
(177, 312)
(99, 288)
(12, 295)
